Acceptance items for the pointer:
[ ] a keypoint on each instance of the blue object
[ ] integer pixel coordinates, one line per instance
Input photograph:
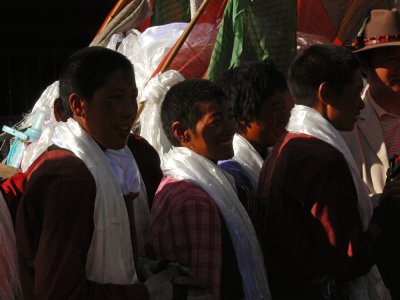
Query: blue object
(18, 147)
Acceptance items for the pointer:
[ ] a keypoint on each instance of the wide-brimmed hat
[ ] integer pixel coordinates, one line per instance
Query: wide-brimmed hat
(380, 29)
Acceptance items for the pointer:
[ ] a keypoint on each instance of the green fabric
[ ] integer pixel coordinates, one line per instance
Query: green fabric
(253, 30)
(169, 11)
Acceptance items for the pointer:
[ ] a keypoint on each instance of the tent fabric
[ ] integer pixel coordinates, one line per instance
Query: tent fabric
(131, 16)
(194, 56)
(170, 11)
(254, 30)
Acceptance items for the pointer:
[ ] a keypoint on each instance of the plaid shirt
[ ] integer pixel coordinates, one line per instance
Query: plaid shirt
(186, 227)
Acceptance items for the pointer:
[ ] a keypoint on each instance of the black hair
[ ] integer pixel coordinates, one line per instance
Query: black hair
(250, 85)
(332, 64)
(182, 103)
(86, 71)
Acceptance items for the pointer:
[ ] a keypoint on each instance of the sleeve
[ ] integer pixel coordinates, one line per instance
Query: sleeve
(54, 232)
(331, 198)
(12, 188)
(186, 228)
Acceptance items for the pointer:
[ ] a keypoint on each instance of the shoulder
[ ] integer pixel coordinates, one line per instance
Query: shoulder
(304, 147)
(140, 146)
(236, 170)
(182, 194)
(57, 163)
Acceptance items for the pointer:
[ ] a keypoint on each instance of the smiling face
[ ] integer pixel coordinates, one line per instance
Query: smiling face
(108, 117)
(345, 107)
(213, 133)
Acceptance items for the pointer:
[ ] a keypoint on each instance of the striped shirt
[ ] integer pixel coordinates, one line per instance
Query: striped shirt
(390, 124)
(185, 226)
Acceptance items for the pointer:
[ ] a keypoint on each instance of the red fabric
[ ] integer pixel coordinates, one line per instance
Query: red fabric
(186, 227)
(312, 228)
(192, 61)
(54, 226)
(313, 18)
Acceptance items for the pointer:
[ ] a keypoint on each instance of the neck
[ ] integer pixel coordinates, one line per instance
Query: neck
(262, 150)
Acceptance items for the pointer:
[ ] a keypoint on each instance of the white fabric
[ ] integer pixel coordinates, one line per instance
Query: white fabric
(304, 119)
(110, 257)
(248, 158)
(125, 169)
(36, 148)
(182, 163)
(127, 173)
(153, 95)
(10, 286)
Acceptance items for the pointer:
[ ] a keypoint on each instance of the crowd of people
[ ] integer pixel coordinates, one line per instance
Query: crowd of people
(274, 188)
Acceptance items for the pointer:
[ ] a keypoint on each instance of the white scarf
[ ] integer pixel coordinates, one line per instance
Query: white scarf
(110, 256)
(127, 173)
(248, 158)
(182, 163)
(304, 119)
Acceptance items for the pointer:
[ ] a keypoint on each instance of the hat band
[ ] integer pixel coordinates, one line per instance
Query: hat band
(381, 39)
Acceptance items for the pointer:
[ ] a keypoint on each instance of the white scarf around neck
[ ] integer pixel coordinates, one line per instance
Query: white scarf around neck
(248, 158)
(304, 119)
(182, 163)
(110, 256)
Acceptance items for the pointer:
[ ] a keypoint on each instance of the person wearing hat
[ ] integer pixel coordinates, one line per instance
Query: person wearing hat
(376, 136)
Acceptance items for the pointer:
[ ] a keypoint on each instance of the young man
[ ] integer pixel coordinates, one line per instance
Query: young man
(317, 206)
(197, 218)
(261, 103)
(75, 225)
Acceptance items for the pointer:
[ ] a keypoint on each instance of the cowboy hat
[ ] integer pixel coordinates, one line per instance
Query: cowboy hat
(380, 29)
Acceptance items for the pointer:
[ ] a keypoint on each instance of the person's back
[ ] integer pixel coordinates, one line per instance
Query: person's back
(317, 209)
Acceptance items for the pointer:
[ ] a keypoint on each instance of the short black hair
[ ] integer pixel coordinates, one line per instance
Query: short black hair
(317, 64)
(86, 71)
(250, 85)
(182, 103)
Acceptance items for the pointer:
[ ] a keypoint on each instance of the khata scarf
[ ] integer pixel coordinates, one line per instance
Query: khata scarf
(182, 163)
(248, 158)
(110, 258)
(304, 119)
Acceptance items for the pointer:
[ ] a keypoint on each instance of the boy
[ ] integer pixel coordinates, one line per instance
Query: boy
(197, 218)
(75, 225)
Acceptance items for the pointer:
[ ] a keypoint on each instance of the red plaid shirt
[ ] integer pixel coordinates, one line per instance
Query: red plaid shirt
(186, 227)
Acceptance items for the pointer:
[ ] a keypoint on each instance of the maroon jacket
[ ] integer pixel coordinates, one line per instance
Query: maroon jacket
(54, 223)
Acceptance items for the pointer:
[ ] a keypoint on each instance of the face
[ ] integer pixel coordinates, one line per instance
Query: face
(344, 108)
(271, 121)
(384, 70)
(213, 133)
(108, 117)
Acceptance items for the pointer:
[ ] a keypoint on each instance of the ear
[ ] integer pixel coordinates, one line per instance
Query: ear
(77, 104)
(59, 111)
(181, 134)
(243, 125)
(324, 93)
